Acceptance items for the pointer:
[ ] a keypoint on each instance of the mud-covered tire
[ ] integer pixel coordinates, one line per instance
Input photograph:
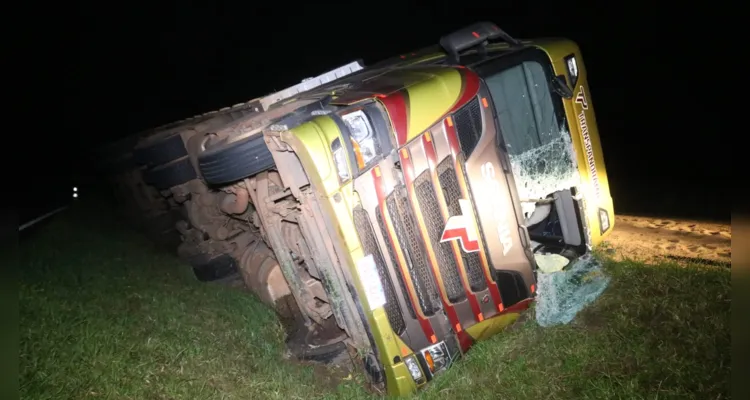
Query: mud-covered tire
(171, 174)
(231, 162)
(161, 151)
(208, 268)
(323, 354)
(324, 343)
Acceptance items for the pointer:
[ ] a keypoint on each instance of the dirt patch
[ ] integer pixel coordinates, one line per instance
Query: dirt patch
(653, 239)
(329, 376)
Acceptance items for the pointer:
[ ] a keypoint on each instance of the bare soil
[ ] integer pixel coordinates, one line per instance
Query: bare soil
(653, 239)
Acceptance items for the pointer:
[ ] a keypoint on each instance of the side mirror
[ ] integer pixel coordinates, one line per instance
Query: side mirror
(560, 86)
(475, 35)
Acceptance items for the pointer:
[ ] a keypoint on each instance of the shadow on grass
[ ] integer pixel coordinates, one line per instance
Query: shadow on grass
(104, 314)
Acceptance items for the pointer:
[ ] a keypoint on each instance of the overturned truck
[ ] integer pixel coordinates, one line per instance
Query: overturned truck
(405, 207)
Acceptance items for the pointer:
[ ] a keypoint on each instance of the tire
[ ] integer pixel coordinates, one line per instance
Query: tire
(325, 354)
(172, 174)
(303, 345)
(323, 343)
(161, 151)
(231, 162)
(210, 269)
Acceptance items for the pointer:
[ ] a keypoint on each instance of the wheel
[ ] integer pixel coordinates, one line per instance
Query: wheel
(324, 354)
(172, 174)
(320, 343)
(230, 162)
(157, 151)
(208, 268)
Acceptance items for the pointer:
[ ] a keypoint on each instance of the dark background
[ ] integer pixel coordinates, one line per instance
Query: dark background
(114, 70)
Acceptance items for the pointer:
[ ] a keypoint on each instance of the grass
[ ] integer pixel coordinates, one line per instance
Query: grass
(105, 315)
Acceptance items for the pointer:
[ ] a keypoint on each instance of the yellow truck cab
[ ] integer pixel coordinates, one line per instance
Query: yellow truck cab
(424, 191)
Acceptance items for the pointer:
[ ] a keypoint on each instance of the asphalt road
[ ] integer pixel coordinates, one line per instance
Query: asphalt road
(42, 196)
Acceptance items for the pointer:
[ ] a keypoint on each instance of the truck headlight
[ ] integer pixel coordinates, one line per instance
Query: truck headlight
(413, 366)
(365, 144)
(365, 136)
(437, 357)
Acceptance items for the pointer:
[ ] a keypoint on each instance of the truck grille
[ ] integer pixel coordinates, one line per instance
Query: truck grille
(408, 236)
(435, 223)
(452, 193)
(370, 246)
(468, 120)
(402, 284)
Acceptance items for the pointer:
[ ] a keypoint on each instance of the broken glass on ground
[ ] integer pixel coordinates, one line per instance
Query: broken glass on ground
(561, 295)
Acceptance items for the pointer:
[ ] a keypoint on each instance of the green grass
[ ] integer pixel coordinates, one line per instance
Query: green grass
(105, 315)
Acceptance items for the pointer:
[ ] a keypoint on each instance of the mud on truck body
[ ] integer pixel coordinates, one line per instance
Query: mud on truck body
(405, 207)
(169, 169)
(142, 168)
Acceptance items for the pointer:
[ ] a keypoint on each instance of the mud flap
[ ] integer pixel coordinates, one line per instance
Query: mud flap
(561, 295)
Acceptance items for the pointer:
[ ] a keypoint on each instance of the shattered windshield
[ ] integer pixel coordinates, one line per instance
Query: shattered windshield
(536, 135)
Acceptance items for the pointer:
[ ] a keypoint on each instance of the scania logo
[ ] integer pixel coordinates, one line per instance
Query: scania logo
(462, 228)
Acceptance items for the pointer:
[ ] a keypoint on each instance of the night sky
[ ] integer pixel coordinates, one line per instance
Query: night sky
(116, 70)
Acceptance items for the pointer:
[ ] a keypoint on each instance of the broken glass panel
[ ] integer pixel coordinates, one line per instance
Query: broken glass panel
(538, 141)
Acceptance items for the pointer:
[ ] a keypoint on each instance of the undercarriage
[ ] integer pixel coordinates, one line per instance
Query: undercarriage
(241, 223)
